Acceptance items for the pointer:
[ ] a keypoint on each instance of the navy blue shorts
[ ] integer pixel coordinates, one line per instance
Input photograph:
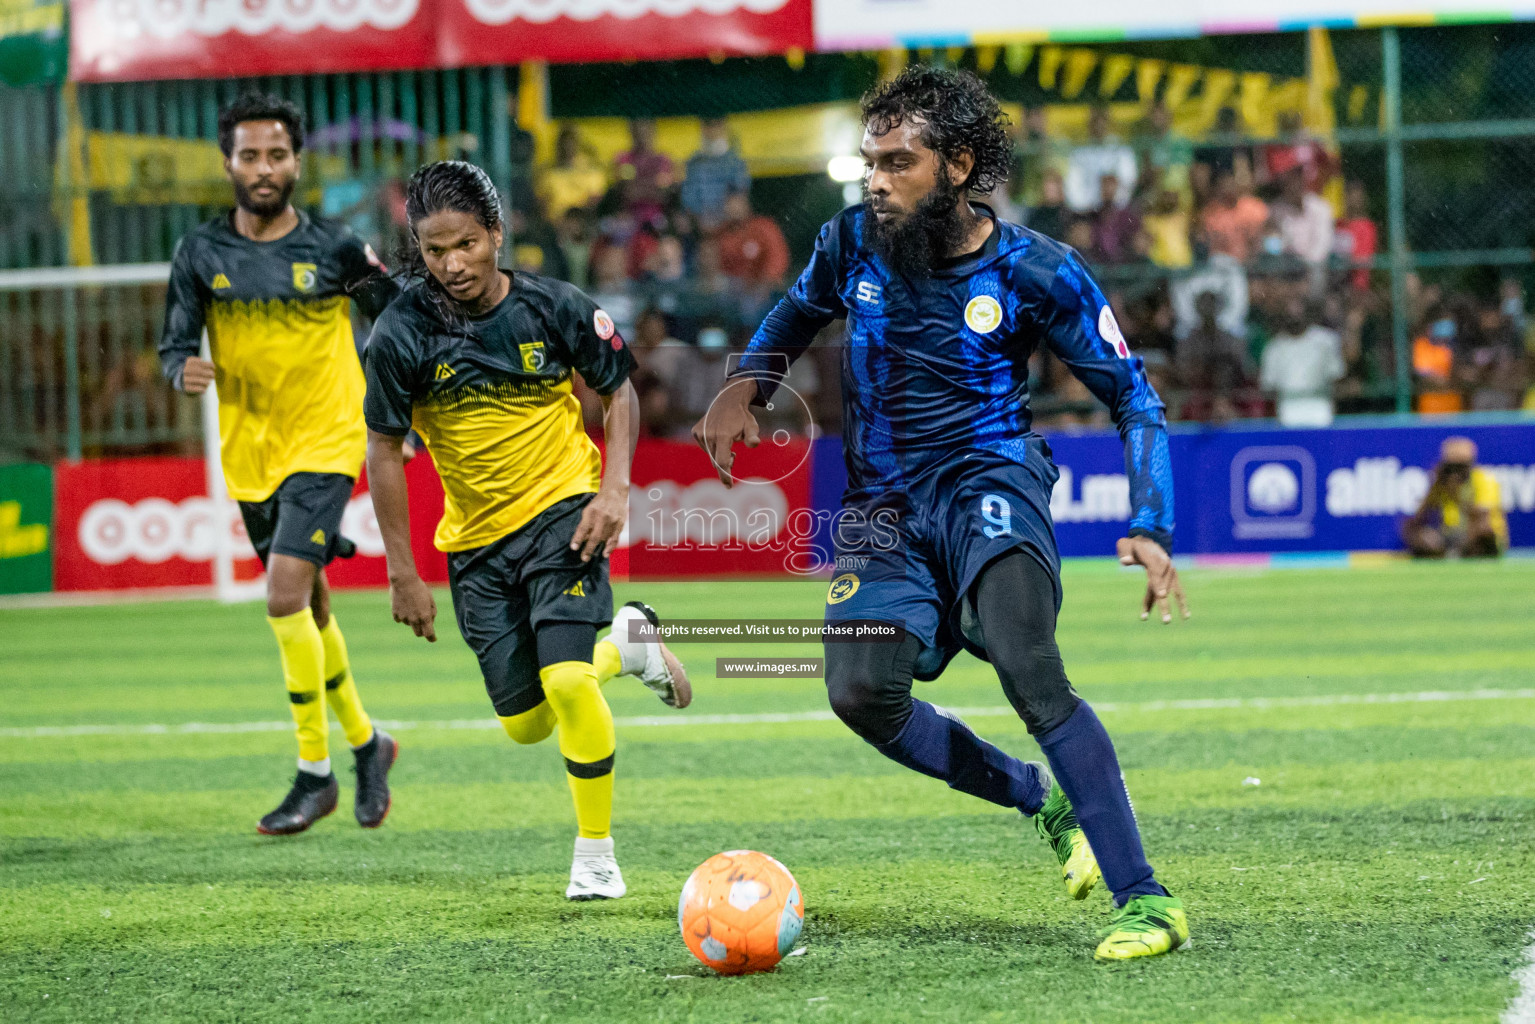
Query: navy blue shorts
(909, 557)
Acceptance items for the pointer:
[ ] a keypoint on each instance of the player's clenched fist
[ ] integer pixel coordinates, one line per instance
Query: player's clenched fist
(728, 420)
(196, 375)
(411, 601)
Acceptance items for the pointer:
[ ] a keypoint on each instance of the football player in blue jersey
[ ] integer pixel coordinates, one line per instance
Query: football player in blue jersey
(946, 519)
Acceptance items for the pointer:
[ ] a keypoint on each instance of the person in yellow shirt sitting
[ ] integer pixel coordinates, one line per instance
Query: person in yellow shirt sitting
(574, 181)
(1462, 514)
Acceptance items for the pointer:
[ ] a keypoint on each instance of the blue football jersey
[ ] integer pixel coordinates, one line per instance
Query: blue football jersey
(936, 364)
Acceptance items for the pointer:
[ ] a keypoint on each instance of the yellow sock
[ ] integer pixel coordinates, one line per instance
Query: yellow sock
(606, 660)
(341, 689)
(303, 669)
(531, 726)
(586, 741)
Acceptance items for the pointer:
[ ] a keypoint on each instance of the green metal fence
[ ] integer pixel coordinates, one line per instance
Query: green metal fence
(1439, 123)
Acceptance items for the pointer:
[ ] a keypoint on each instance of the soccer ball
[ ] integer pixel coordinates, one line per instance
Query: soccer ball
(740, 912)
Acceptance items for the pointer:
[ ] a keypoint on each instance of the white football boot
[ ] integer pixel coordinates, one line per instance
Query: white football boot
(653, 664)
(594, 873)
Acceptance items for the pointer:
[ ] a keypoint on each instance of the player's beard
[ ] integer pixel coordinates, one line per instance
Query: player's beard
(914, 243)
(264, 208)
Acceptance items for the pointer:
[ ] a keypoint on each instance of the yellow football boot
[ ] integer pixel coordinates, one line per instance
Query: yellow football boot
(1145, 926)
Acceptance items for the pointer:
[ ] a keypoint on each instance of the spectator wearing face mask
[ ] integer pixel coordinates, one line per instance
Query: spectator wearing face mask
(1433, 364)
(1462, 514)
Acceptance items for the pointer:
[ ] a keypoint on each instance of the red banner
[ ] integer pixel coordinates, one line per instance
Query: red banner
(135, 40)
(579, 31)
(128, 524)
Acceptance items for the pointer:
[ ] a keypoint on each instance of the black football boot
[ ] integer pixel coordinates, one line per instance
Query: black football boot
(310, 799)
(374, 759)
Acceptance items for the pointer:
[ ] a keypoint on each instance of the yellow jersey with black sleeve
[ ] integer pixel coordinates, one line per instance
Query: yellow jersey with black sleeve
(491, 397)
(278, 316)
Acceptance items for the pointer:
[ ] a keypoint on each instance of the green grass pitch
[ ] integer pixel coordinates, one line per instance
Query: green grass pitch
(1382, 870)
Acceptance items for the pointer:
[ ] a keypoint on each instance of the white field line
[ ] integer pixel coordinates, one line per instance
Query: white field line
(1522, 1009)
(767, 718)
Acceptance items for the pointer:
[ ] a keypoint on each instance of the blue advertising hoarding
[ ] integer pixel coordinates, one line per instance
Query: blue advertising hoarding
(1253, 490)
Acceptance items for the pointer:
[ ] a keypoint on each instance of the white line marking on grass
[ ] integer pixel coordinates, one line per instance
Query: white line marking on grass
(1522, 1009)
(776, 717)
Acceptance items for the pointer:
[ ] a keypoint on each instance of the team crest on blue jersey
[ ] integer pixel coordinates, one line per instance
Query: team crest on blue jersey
(983, 314)
(1108, 328)
(305, 276)
(532, 356)
(842, 588)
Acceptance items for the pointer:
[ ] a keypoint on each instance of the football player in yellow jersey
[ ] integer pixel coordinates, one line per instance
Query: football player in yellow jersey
(478, 361)
(274, 289)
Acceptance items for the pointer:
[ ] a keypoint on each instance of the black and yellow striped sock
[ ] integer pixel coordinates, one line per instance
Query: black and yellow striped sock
(303, 669)
(341, 689)
(586, 741)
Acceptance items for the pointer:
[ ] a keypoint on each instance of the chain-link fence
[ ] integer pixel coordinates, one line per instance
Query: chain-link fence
(1420, 141)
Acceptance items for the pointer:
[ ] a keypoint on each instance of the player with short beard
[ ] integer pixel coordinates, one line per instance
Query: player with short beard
(944, 305)
(274, 288)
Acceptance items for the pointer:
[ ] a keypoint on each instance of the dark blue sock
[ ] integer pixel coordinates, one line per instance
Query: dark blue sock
(1082, 757)
(943, 747)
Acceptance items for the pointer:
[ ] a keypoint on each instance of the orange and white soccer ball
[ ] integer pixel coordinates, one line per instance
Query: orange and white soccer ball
(740, 912)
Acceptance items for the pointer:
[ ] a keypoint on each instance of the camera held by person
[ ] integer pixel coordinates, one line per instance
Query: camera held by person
(1462, 514)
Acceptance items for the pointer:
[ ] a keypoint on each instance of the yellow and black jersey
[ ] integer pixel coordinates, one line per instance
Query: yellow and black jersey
(491, 396)
(278, 316)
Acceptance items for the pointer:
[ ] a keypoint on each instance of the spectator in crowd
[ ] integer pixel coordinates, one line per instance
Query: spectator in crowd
(573, 232)
(752, 247)
(1511, 305)
(713, 174)
(1222, 154)
(701, 381)
(1462, 514)
(611, 288)
(1494, 364)
(1357, 239)
(1167, 158)
(1211, 365)
(1234, 219)
(1165, 230)
(1040, 155)
(1296, 149)
(1433, 363)
(1116, 225)
(663, 360)
(574, 181)
(1303, 220)
(1301, 364)
(535, 247)
(1049, 215)
(1103, 154)
(645, 175)
(710, 295)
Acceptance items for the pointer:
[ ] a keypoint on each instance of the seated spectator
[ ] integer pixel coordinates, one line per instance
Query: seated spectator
(575, 180)
(1040, 155)
(1048, 216)
(702, 374)
(1296, 150)
(611, 288)
(1227, 279)
(535, 247)
(1356, 239)
(1304, 222)
(713, 174)
(1211, 365)
(1103, 154)
(1079, 235)
(1223, 153)
(1116, 225)
(1233, 220)
(644, 174)
(1462, 514)
(1165, 231)
(1167, 158)
(573, 234)
(1301, 363)
(752, 247)
(1433, 364)
(1493, 364)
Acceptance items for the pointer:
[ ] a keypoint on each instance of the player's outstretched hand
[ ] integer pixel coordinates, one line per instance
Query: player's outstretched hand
(1161, 577)
(196, 375)
(601, 523)
(728, 420)
(411, 601)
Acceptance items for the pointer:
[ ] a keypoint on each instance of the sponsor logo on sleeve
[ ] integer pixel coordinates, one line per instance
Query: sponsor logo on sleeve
(1108, 329)
(603, 324)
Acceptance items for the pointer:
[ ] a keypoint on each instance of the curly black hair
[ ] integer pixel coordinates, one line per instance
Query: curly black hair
(255, 106)
(955, 112)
